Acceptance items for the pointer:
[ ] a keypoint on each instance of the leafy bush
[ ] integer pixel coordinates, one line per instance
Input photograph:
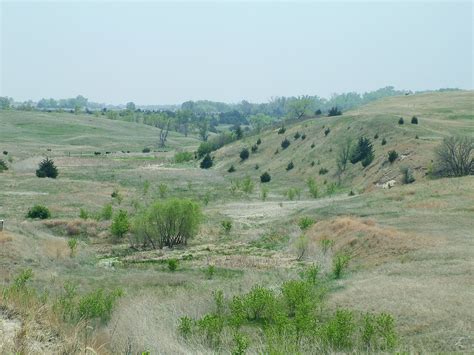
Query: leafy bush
(323, 171)
(231, 169)
(167, 223)
(338, 332)
(47, 169)
(120, 224)
(340, 263)
(384, 141)
(318, 112)
(301, 247)
(392, 156)
(408, 176)
(290, 166)
(3, 166)
(254, 148)
(334, 111)
(244, 154)
(305, 222)
(282, 130)
(400, 121)
(207, 162)
(313, 187)
(98, 304)
(265, 177)
(39, 211)
(313, 145)
(414, 120)
(146, 150)
(173, 264)
(226, 226)
(5, 152)
(285, 143)
(259, 141)
(297, 135)
(182, 157)
(257, 166)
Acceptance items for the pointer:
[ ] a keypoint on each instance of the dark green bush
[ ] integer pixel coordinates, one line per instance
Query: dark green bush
(231, 169)
(39, 211)
(297, 135)
(327, 131)
(120, 224)
(47, 169)
(400, 121)
(290, 166)
(414, 120)
(98, 304)
(207, 162)
(285, 143)
(363, 152)
(244, 154)
(384, 141)
(392, 156)
(173, 264)
(259, 141)
(323, 171)
(146, 150)
(254, 148)
(265, 177)
(282, 130)
(334, 111)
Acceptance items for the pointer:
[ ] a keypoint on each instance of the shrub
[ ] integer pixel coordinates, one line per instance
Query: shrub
(265, 177)
(327, 131)
(257, 166)
(47, 169)
(106, 213)
(384, 141)
(282, 130)
(293, 193)
(263, 193)
(98, 304)
(247, 185)
(72, 244)
(376, 136)
(146, 150)
(455, 157)
(323, 171)
(290, 166)
(244, 154)
(305, 222)
(5, 152)
(83, 214)
(254, 148)
(207, 162)
(3, 165)
(400, 121)
(326, 245)
(210, 271)
(339, 331)
(303, 136)
(392, 156)
(363, 152)
(167, 223)
(182, 157)
(331, 188)
(120, 224)
(414, 120)
(231, 169)
(204, 149)
(297, 135)
(185, 326)
(340, 263)
(318, 112)
(162, 190)
(313, 145)
(408, 176)
(313, 187)
(334, 111)
(259, 141)
(173, 264)
(285, 143)
(226, 226)
(39, 211)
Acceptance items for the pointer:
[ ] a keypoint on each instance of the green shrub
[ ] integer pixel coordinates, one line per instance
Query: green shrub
(282, 130)
(363, 152)
(146, 150)
(106, 213)
(3, 166)
(285, 143)
(83, 214)
(323, 171)
(173, 264)
(247, 185)
(408, 176)
(47, 169)
(400, 121)
(339, 330)
(326, 244)
(241, 344)
(259, 141)
(162, 190)
(226, 226)
(120, 224)
(290, 166)
(340, 263)
(392, 156)
(414, 120)
(210, 271)
(72, 244)
(39, 211)
(231, 169)
(297, 135)
(293, 193)
(98, 304)
(207, 162)
(183, 157)
(211, 326)
(303, 136)
(301, 247)
(327, 131)
(384, 141)
(313, 187)
(244, 154)
(331, 189)
(254, 148)
(265, 177)
(305, 222)
(185, 326)
(334, 111)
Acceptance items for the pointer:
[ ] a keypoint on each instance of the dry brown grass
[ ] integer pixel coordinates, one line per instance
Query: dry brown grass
(366, 241)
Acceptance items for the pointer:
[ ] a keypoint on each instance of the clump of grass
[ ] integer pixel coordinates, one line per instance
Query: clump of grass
(226, 226)
(173, 264)
(305, 222)
(340, 263)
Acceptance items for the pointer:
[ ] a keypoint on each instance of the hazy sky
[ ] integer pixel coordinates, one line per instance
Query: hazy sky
(165, 53)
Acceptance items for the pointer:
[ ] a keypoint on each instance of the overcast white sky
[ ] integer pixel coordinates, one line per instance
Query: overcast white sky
(166, 53)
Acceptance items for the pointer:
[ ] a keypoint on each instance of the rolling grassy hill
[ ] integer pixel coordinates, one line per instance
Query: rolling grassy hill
(439, 115)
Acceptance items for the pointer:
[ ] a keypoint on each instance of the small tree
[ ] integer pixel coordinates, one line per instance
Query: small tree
(400, 121)
(259, 141)
(265, 177)
(207, 162)
(244, 154)
(334, 111)
(455, 157)
(290, 166)
(120, 224)
(297, 135)
(47, 169)
(363, 152)
(392, 156)
(285, 143)
(414, 120)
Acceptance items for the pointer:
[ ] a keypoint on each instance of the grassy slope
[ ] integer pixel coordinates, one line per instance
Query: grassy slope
(427, 288)
(439, 114)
